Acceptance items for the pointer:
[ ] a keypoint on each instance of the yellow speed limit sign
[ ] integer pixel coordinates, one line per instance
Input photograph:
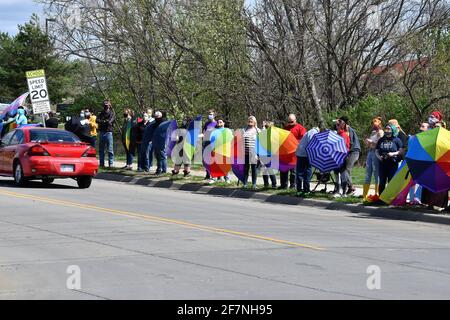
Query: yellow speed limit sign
(37, 85)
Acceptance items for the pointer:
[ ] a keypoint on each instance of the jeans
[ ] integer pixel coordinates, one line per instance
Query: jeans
(145, 156)
(372, 167)
(161, 161)
(130, 156)
(346, 173)
(304, 174)
(388, 169)
(93, 141)
(106, 139)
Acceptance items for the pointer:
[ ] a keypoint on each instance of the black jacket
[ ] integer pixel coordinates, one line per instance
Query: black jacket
(105, 121)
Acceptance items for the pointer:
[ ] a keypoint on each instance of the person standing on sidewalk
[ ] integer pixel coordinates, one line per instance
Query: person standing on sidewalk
(105, 121)
(251, 159)
(304, 168)
(298, 131)
(93, 126)
(352, 157)
(372, 162)
(435, 200)
(128, 137)
(139, 135)
(389, 151)
(181, 158)
(160, 152)
(208, 127)
(268, 173)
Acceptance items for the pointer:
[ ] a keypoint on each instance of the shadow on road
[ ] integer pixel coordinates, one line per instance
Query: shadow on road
(9, 183)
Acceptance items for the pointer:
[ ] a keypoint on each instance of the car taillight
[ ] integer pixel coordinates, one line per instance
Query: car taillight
(90, 152)
(37, 150)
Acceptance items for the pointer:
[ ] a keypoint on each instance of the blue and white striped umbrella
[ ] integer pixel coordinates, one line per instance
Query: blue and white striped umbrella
(327, 151)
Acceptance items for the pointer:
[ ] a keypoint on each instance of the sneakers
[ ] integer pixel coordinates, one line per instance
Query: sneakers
(174, 173)
(351, 191)
(186, 173)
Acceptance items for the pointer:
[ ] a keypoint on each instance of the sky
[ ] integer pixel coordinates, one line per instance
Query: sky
(14, 12)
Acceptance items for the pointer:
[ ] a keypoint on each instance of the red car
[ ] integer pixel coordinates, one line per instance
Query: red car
(32, 153)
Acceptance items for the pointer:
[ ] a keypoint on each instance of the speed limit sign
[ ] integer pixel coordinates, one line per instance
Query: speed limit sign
(37, 85)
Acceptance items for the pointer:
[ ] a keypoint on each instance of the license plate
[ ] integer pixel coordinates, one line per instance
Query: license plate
(67, 168)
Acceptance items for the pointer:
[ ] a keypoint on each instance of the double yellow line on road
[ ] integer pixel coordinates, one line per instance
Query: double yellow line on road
(155, 219)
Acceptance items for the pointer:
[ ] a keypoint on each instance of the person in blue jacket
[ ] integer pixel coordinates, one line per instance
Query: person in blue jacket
(20, 118)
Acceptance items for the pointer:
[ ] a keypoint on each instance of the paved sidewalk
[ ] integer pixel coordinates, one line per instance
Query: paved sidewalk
(260, 181)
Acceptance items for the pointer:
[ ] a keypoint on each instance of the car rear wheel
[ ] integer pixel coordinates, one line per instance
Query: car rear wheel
(84, 182)
(47, 180)
(19, 178)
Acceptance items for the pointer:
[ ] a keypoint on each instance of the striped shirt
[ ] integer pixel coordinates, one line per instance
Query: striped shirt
(250, 140)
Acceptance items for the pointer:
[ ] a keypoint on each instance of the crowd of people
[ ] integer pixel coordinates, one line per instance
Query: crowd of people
(386, 145)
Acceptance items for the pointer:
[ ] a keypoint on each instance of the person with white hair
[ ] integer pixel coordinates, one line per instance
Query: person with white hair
(251, 158)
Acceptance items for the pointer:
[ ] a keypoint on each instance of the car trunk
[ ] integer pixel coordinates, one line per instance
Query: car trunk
(65, 149)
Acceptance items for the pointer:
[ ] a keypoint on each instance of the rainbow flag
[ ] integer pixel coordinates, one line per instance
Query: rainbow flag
(397, 189)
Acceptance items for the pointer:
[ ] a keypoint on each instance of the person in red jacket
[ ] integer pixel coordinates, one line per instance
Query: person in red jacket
(298, 131)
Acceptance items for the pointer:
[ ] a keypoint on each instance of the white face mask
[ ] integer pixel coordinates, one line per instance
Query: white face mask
(82, 115)
(432, 120)
(211, 117)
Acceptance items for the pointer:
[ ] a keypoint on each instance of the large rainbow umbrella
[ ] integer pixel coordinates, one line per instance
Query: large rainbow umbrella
(162, 135)
(238, 155)
(218, 161)
(191, 138)
(327, 151)
(11, 110)
(276, 149)
(428, 159)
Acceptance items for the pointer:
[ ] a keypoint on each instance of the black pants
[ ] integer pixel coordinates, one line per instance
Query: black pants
(273, 180)
(387, 172)
(284, 178)
(247, 167)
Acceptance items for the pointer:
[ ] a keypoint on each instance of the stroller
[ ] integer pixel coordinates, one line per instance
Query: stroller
(323, 178)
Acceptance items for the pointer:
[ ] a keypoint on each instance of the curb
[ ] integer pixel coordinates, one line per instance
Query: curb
(386, 213)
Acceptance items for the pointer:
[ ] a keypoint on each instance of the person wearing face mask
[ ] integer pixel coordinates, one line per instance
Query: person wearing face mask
(209, 125)
(93, 126)
(389, 151)
(220, 125)
(434, 118)
(372, 162)
(298, 131)
(20, 118)
(181, 159)
(401, 134)
(268, 173)
(128, 137)
(105, 121)
(435, 200)
(159, 150)
(139, 136)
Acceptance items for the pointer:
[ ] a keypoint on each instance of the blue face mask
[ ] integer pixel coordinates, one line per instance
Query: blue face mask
(20, 112)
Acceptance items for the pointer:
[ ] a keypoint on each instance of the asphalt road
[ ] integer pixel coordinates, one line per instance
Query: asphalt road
(131, 242)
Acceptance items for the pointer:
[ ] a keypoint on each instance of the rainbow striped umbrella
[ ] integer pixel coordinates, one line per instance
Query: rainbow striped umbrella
(191, 138)
(12, 109)
(218, 161)
(428, 159)
(276, 149)
(327, 151)
(238, 155)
